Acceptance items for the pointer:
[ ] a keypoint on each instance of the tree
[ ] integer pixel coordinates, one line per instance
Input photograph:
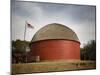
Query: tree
(88, 52)
(19, 51)
(19, 46)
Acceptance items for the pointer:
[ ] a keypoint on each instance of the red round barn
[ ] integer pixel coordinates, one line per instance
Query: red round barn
(55, 42)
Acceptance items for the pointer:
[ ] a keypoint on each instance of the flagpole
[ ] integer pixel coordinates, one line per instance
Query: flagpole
(25, 31)
(25, 43)
(26, 24)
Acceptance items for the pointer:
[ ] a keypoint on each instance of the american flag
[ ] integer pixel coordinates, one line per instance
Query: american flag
(29, 25)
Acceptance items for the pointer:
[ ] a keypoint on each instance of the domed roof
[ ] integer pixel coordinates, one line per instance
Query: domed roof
(55, 31)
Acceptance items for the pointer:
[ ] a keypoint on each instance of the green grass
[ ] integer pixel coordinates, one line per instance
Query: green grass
(49, 66)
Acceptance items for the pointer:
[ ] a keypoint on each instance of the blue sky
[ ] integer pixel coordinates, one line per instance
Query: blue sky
(80, 18)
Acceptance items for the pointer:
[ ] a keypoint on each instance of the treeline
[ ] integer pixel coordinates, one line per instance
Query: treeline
(88, 52)
(19, 46)
(19, 51)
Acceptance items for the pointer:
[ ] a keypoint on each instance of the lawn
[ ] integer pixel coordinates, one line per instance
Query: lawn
(51, 66)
